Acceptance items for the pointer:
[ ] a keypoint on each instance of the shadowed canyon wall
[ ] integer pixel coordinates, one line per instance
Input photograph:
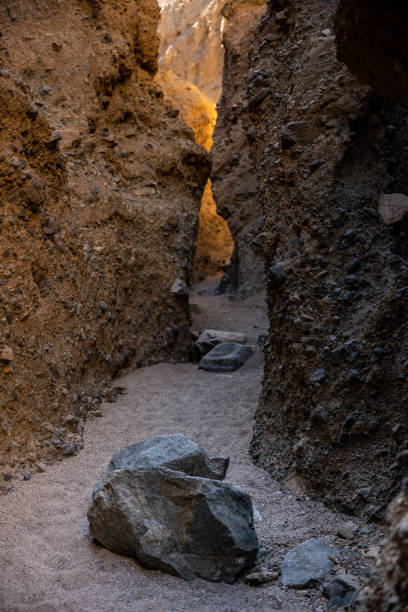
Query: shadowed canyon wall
(332, 411)
(371, 40)
(100, 190)
(233, 173)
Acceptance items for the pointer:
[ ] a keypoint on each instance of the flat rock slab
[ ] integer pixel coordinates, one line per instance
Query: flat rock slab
(307, 563)
(226, 357)
(180, 524)
(212, 337)
(175, 452)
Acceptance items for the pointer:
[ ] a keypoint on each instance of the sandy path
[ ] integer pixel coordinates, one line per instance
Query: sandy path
(48, 562)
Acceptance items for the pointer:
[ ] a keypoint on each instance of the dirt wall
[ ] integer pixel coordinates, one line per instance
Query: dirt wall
(100, 191)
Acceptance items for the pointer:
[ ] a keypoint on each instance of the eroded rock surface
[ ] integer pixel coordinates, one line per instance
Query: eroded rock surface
(100, 189)
(325, 148)
(388, 588)
(234, 174)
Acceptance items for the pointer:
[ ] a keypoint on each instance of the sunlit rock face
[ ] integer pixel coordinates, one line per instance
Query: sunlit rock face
(190, 74)
(190, 43)
(100, 191)
(234, 174)
(326, 148)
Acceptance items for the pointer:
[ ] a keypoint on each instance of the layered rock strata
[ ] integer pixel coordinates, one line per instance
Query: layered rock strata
(332, 411)
(234, 174)
(100, 190)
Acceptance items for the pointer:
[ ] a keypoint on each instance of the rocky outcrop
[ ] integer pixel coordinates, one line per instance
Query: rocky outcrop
(389, 582)
(326, 148)
(233, 174)
(371, 40)
(100, 189)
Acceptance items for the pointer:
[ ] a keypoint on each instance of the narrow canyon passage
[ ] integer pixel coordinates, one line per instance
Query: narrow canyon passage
(48, 562)
(144, 144)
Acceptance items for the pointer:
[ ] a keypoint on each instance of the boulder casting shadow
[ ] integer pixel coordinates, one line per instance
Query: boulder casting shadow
(168, 520)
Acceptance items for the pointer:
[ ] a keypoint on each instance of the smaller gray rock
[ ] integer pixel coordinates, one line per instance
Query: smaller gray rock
(212, 337)
(306, 564)
(175, 452)
(179, 288)
(347, 530)
(226, 357)
(340, 591)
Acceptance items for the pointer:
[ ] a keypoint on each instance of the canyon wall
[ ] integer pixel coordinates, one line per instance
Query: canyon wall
(332, 413)
(190, 60)
(233, 173)
(100, 190)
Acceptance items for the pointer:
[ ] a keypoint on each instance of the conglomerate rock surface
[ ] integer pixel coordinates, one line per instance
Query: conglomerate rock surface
(332, 410)
(388, 588)
(233, 173)
(100, 190)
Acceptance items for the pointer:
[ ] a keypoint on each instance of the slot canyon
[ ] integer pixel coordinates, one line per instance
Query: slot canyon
(203, 231)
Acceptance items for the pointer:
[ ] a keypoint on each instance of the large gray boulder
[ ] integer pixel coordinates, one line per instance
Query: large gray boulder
(226, 357)
(175, 452)
(180, 524)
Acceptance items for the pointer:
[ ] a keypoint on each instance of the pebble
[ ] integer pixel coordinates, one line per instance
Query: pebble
(347, 530)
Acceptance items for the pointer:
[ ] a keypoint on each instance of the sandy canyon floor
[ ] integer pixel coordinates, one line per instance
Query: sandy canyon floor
(48, 562)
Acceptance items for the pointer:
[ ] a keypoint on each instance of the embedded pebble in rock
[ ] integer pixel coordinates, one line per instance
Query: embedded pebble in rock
(179, 288)
(392, 207)
(226, 357)
(307, 564)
